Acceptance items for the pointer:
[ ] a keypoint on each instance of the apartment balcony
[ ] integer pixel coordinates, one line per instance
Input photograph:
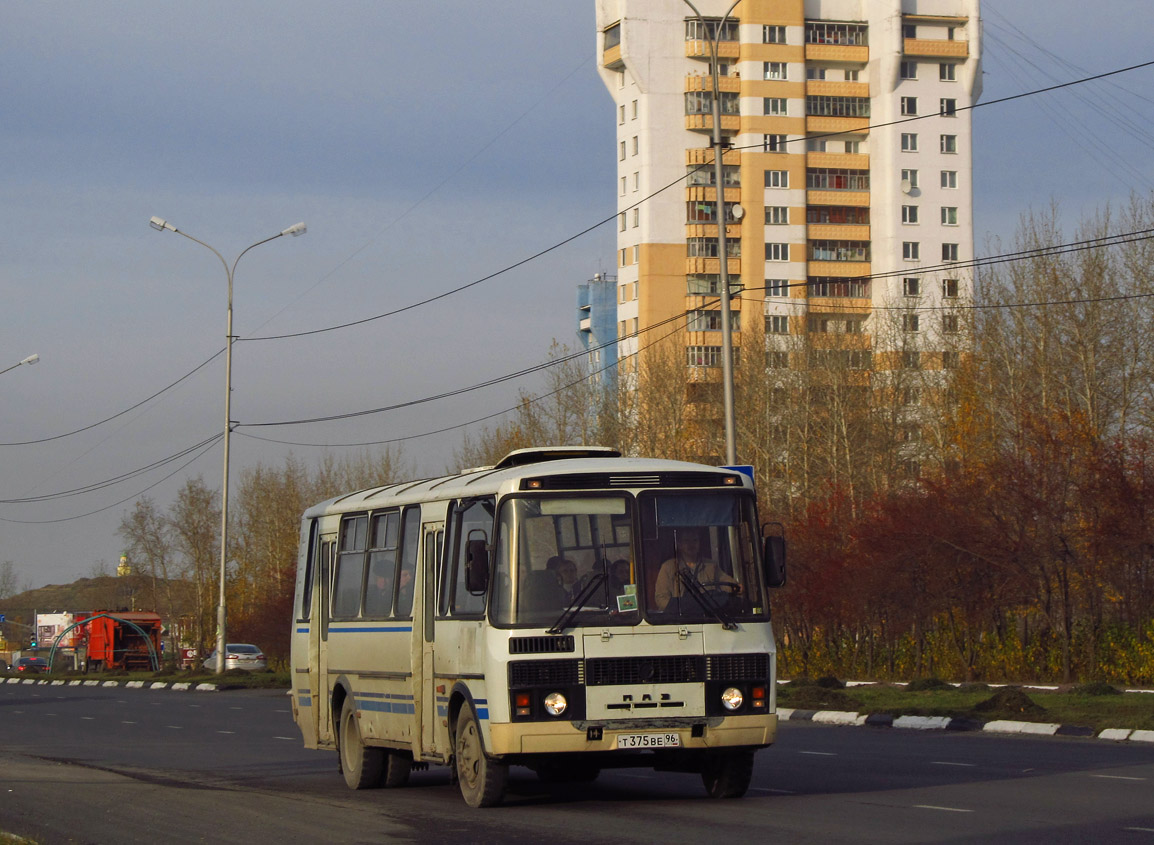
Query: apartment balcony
(704, 122)
(701, 193)
(709, 230)
(936, 49)
(704, 155)
(611, 58)
(847, 269)
(846, 161)
(821, 124)
(712, 266)
(825, 88)
(837, 232)
(702, 49)
(704, 82)
(823, 197)
(843, 305)
(852, 53)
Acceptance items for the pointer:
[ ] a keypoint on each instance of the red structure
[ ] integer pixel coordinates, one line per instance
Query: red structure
(128, 640)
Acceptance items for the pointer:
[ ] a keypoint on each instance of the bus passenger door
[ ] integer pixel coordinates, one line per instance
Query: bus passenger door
(318, 650)
(424, 678)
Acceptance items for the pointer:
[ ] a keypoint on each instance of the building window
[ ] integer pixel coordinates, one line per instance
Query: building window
(701, 102)
(707, 30)
(831, 286)
(822, 106)
(912, 396)
(949, 252)
(909, 105)
(635, 145)
(776, 360)
(636, 180)
(911, 251)
(710, 321)
(704, 356)
(707, 247)
(909, 142)
(948, 72)
(911, 359)
(704, 175)
(853, 147)
(621, 156)
(949, 288)
(773, 35)
(908, 70)
(776, 287)
(836, 179)
(814, 72)
(910, 176)
(910, 322)
(949, 360)
(776, 324)
(622, 186)
(911, 286)
(636, 217)
(705, 211)
(909, 30)
(844, 215)
(848, 34)
(774, 105)
(621, 115)
(612, 36)
(949, 144)
(776, 70)
(773, 143)
(776, 215)
(909, 214)
(704, 284)
(777, 252)
(621, 222)
(949, 178)
(948, 107)
(815, 145)
(634, 110)
(852, 75)
(839, 251)
(949, 215)
(950, 323)
(777, 178)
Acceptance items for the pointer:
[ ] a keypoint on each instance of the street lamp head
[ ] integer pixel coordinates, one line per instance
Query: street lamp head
(31, 359)
(160, 225)
(294, 230)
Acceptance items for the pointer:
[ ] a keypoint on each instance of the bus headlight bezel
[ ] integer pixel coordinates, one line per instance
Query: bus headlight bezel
(732, 699)
(556, 704)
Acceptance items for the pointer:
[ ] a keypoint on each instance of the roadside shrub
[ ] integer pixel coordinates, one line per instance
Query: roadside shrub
(1096, 688)
(924, 684)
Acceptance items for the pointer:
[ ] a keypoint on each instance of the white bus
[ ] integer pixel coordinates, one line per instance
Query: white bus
(567, 610)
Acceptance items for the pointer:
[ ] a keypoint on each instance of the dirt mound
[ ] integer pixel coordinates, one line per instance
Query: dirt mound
(1009, 702)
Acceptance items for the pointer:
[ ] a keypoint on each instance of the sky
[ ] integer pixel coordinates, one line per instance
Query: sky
(427, 145)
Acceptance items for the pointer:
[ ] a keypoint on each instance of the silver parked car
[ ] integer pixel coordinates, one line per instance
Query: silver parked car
(239, 656)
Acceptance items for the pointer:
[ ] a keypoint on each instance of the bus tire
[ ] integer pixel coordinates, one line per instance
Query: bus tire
(482, 780)
(362, 767)
(727, 773)
(398, 764)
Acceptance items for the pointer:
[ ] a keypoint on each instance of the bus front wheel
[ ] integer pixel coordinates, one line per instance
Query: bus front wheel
(481, 779)
(727, 773)
(362, 767)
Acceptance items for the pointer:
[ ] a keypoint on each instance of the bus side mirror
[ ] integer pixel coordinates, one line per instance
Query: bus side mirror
(775, 561)
(476, 565)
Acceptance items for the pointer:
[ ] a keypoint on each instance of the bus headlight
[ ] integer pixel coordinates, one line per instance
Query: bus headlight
(732, 698)
(555, 704)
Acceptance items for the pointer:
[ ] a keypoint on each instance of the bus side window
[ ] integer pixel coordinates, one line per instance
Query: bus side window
(311, 553)
(349, 578)
(382, 564)
(408, 573)
(476, 517)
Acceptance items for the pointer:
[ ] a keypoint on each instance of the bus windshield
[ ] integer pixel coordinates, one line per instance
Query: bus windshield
(611, 559)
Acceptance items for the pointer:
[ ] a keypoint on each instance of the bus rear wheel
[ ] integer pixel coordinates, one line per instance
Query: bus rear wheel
(727, 773)
(481, 779)
(362, 767)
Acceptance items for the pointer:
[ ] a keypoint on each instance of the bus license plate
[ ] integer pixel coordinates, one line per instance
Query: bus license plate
(629, 741)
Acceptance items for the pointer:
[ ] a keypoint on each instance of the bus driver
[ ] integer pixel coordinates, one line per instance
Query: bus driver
(688, 559)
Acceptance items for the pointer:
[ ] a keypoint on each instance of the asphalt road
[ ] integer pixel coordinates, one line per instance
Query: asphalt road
(112, 765)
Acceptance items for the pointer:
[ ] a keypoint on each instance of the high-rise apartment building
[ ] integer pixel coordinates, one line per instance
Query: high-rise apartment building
(847, 190)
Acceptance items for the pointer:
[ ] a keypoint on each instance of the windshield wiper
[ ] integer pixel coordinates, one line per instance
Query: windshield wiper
(704, 599)
(577, 603)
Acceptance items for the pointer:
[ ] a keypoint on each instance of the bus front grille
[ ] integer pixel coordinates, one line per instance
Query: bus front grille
(540, 673)
(540, 645)
(613, 671)
(737, 667)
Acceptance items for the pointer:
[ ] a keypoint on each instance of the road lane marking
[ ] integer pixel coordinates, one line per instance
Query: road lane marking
(127, 723)
(226, 732)
(88, 718)
(942, 809)
(947, 763)
(775, 791)
(175, 727)
(1140, 829)
(819, 753)
(289, 738)
(1116, 777)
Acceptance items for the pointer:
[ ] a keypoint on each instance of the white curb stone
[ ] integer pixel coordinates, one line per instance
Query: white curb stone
(838, 717)
(922, 723)
(206, 687)
(1142, 736)
(111, 684)
(135, 684)
(1116, 734)
(181, 686)
(158, 685)
(784, 713)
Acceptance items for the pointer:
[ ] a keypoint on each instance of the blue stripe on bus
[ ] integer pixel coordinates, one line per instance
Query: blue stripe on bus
(372, 630)
(388, 707)
(305, 700)
(302, 630)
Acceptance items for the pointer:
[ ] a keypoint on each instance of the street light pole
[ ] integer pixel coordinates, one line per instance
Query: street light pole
(722, 247)
(31, 359)
(298, 229)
